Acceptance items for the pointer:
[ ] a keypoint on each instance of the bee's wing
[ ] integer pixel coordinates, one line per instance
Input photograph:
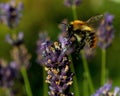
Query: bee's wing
(94, 21)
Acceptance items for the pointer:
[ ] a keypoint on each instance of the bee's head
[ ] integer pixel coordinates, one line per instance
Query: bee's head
(69, 27)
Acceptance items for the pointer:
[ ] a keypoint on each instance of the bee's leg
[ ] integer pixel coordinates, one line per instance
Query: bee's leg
(79, 45)
(83, 39)
(78, 48)
(70, 30)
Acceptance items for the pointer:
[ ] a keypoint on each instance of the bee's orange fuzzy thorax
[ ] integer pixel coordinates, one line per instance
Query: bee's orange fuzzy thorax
(77, 22)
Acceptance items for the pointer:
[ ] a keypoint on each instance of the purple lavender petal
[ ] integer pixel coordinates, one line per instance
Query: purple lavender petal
(105, 32)
(106, 91)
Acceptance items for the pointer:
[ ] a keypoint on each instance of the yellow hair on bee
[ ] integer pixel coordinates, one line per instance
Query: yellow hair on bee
(86, 28)
(78, 24)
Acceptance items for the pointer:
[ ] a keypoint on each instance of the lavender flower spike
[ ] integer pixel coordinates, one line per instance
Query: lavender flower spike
(10, 13)
(106, 91)
(7, 74)
(15, 40)
(57, 65)
(105, 32)
(19, 52)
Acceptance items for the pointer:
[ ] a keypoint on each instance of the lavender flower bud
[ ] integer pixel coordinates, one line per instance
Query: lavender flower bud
(7, 74)
(106, 91)
(21, 56)
(10, 13)
(69, 3)
(42, 44)
(105, 32)
(15, 40)
(19, 52)
(116, 91)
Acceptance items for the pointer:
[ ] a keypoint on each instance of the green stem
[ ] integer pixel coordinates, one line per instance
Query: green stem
(85, 86)
(45, 85)
(87, 73)
(75, 82)
(103, 67)
(13, 32)
(27, 84)
(74, 12)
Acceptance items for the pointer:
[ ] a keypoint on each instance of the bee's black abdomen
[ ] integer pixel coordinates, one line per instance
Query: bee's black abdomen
(91, 34)
(91, 39)
(78, 31)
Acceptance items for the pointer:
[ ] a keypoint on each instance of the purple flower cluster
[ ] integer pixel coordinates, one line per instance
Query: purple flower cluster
(105, 91)
(106, 31)
(10, 13)
(15, 40)
(7, 74)
(69, 3)
(19, 52)
(56, 62)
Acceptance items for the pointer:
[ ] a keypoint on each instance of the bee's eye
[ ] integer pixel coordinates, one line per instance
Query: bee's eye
(70, 27)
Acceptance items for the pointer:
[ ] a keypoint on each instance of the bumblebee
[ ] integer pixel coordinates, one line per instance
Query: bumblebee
(84, 32)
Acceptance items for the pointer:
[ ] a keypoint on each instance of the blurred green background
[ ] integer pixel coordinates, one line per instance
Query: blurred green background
(45, 15)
